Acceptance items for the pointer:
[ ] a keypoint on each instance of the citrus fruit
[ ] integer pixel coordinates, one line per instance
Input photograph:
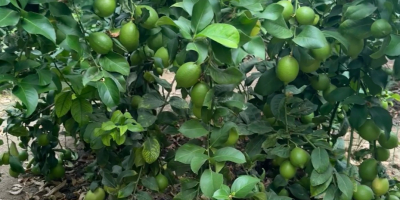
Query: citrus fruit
(35, 170)
(23, 155)
(298, 157)
(306, 119)
(42, 140)
(198, 93)
(256, 29)
(232, 138)
(129, 36)
(380, 186)
(287, 170)
(283, 192)
(163, 54)
(196, 111)
(13, 173)
(162, 182)
(267, 111)
(381, 28)
(155, 41)
(310, 66)
(277, 161)
(316, 19)
(320, 82)
(100, 42)
(150, 22)
(188, 74)
(390, 143)
(327, 91)
(287, 9)
(322, 53)
(382, 154)
(395, 193)
(369, 130)
(305, 15)
(159, 71)
(271, 120)
(136, 99)
(392, 197)
(148, 77)
(57, 172)
(363, 192)
(6, 158)
(136, 58)
(368, 169)
(384, 104)
(104, 8)
(287, 69)
(98, 194)
(355, 47)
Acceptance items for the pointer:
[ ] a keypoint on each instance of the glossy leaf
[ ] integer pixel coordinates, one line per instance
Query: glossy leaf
(193, 129)
(272, 12)
(114, 62)
(231, 75)
(197, 162)
(187, 152)
(202, 15)
(229, 154)
(28, 95)
(394, 46)
(345, 185)
(224, 34)
(34, 23)
(277, 28)
(8, 17)
(63, 103)
(108, 92)
(210, 182)
(80, 110)
(310, 38)
(243, 185)
(359, 11)
(320, 160)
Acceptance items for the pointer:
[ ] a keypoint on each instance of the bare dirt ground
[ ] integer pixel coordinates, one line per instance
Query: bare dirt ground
(32, 186)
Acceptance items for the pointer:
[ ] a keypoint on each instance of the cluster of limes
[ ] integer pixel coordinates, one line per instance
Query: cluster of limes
(13, 151)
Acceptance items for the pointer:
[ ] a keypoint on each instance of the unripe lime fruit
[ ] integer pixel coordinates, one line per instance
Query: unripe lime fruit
(287, 69)
(368, 169)
(198, 93)
(356, 45)
(136, 99)
(382, 154)
(188, 75)
(322, 53)
(155, 41)
(380, 186)
(310, 66)
(369, 130)
(136, 58)
(129, 36)
(306, 119)
(305, 15)
(98, 194)
(381, 28)
(100, 42)
(267, 111)
(298, 157)
(256, 29)
(327, 91)
(287, 170)
(320, 82)
(287, 9)
(232, 138)
(163, 54)
(316, 19)
(151, 21)
(390, 143)
(363, 192)
(162, 182)
(104, 8)
(13, 173)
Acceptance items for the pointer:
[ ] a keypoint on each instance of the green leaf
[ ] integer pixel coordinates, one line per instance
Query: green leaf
(197, 162)
(231, 75)
(8, 17)
(71, 42)
(193, 129)
(222, 193)
(38, 24)
(229, 154)
(243, 185)
(188, 5)
(28, 95)
(268, 83)
(187, 152)
(332, 193)
(255, 47)
(356, 28)
(114, 62)
(358, 116)
(16, 165)
(271, 12)
(260, 127)
(310, 38)
(382, 118)
(4, 2)
(178, 102)
(164, 20)
(201, 48)
(320, 160)
(359, 11)
(210, 182)
(299, 192)
(151, 150)
(394, 46)
(224, 34)
(150, 183)
(142, 195)
(317, 190)
(341, 93)
(127, 190)
(63, 103)
(382, 49)
(91, 74)
(146, 118)
(320, 178)
(345, 185)
(202, 15)
(80, 109)
(336, 35)
(221, 53)
(108, 92)
(151, 100)
(184, 27)
(277, 28)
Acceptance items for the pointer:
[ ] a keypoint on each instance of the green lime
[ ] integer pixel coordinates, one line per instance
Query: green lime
(13, 173)
(283, 192)
(104, 8)
(368, 169)
(355, 47)
(198, 93)
(306, 119)
(43, 140)
(277, 161)
(287, 9)
(162, 182)
(305, 15)
(136, 58)
(36, 170)
(382, 154)
(287, 170)
(310, 66)
(381, 28)
(287, 69)
(57, 172)
(256, 29)
(326, 93)
(129, 36)
(267, 111)
(155, 41)
(98, 194)
(232, 138)
(23, 155)
(299, 157)
(136, 99)
(100, 42)
(388, 143)
(369, 130)
(151, 21)
(322, 53)
(6, 158)
(196, 111)
(320, 82)
(188, 75)
(316, 19)
(363, 192)
(380, 186)
(163, 54)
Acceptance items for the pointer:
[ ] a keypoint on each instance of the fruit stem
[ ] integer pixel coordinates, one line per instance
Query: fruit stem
(349, 148)
(137, 182)
(331, 120)
(308, 140)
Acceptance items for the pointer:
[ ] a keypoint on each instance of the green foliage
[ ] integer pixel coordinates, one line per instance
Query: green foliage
(95, 68)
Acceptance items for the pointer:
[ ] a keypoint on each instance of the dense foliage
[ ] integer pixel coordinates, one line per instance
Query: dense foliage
(93, 70)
